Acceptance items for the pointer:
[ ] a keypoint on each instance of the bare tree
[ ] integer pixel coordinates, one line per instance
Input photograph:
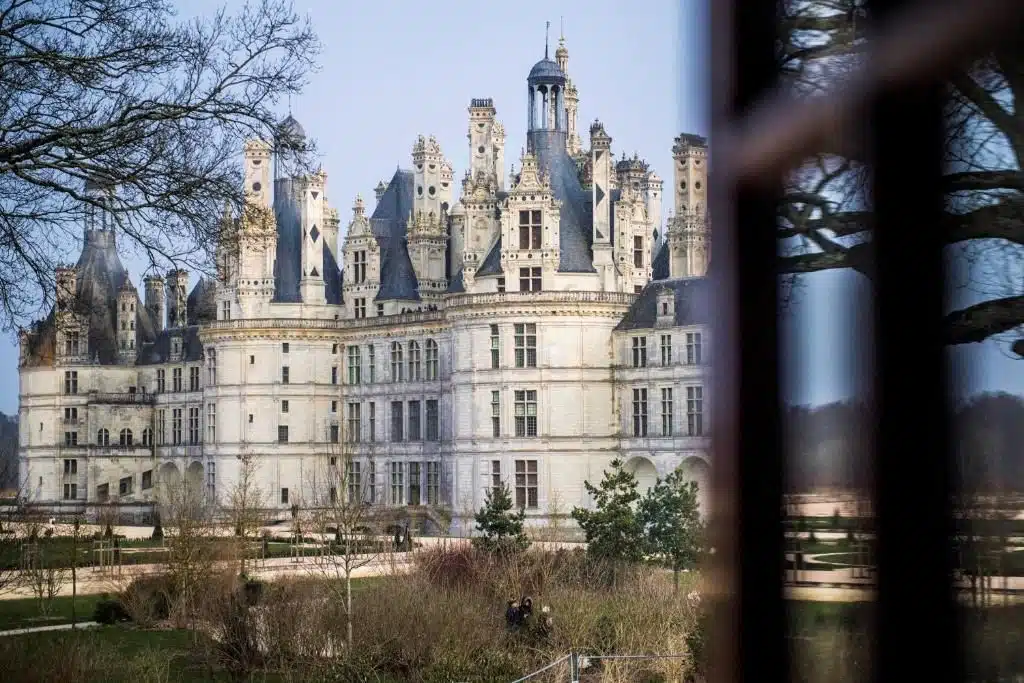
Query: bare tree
(123, 94)
(44, 573)
(247, 506)
(342, 513)
(191, 552)
(825, 218)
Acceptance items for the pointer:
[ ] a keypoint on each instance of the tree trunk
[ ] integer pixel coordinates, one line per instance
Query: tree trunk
(348, 609)
(675, 579)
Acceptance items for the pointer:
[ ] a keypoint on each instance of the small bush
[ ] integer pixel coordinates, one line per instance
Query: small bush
(149, 598)
(110, 611)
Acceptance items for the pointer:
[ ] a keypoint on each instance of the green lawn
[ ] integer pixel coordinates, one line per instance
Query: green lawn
(24, 613)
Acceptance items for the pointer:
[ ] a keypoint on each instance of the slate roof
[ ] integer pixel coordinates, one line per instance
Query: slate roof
(159, 351)
(659, 267)
(575, 234)
(201, 305)
(546, 71)
(491, 264)
(288, 261)
(692, 304)
(388, 224)
(456, 285)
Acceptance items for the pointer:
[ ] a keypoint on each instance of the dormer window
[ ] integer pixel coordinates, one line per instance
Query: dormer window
(529, 229)
(176, 346)
(666, 307)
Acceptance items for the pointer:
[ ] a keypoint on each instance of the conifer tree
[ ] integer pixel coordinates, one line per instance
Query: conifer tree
(502, 528)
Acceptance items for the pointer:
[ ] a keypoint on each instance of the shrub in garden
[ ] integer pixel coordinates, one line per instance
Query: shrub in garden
(149, 598)
(110, 611)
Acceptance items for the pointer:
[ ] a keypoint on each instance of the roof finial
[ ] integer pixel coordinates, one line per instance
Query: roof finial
(561, 29)
(547, 27)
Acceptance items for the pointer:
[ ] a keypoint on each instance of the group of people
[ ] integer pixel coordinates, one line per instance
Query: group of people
(519, 615)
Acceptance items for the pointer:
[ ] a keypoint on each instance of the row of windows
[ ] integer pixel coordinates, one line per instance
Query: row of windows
(524, 339)
(693, 350)
(183, 431)
(176, 380)
(126, 485)
(125, 438)
(693, 412)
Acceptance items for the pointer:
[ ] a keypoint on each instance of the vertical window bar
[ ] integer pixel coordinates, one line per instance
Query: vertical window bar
(913, 486)
(748, 638)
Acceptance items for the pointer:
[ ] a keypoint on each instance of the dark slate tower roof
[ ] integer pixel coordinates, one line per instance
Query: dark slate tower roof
(201, 305)
(547, 72)
(388, 224)
(575, 234)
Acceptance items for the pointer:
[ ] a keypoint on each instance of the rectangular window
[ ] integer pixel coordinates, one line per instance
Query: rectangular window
(354, 422)
(359, 267)
(414, 421)
(285, 347)
(380, 310)
(371, 364)
(285, 375)
(433, 430)
(103, 493)
(176, 426)
(666, 349)
(161, 426)
(71, 466)
(415, 367)
(397, 365)
(334, 349)
(334, 406)
(495, 414)
(211, 365)
(282, 433)
(360, 307)
(396, 421)
(666, 411)
(334, 374)
(495, 475)
(193, 379)
(639, 412)
(284, 496)
(193, 425)
(397, 483)
(373, 422)
(333, 434)
(211, 481)
(124, 486)
(695, 411)
(526, 412)
(285, 405)
(495, 348)
(529, 229)
(414, 483)
(225, 310)
(526, 484)
(501, 284)
(693, 348)
(70, 491)
(433, 362)
(433, 483)
(355, 482)
(526, 345)
(355, 365)
(161, 381)
(371, 484)
(71, 416)
(211, 422)
(71, 343)
(176, 379)
(638, 251)
(71, 382)
(529, 279)
(147, 479)
(639, 352)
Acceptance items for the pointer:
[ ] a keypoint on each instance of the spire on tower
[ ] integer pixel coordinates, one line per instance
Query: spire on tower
(547, 27)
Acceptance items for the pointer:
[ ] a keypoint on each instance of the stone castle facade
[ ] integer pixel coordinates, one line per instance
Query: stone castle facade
(527, 332)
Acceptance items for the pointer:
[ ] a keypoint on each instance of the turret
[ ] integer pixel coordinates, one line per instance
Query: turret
(155, 300)
(631, 174)
(688, 232)
(481, 138)
(72, 325)
(127, 298)
(601, 170)
(361, 272)
(177, 309)
(427, 161)
(98, 216)
(310, 198)
(652, 188)
(381, 188)
(257, 172)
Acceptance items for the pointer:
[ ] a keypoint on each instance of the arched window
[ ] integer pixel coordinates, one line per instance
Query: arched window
(147, 437)
(432, 360)
(103, 438)
(415, 369)
(397, 368)
(126, 437)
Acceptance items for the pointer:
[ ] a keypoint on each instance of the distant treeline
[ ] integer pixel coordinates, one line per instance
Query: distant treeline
(828, 446)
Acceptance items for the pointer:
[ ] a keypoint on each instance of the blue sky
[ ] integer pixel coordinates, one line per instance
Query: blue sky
(394, 69)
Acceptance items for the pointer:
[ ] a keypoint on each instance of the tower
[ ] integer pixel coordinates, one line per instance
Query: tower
(127, 298)
(379, 191)
(177, 309)
(482, 149)
(310, 199)
(257, 172)
(498, 142)
(99, 217)
(651, 188)
(600, 187)
(72, 325)
(573, 145)
(546, 99)
(155, 297)
(427, 161)
(688, 231)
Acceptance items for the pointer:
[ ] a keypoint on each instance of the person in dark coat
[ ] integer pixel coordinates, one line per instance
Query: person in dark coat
(513, 615)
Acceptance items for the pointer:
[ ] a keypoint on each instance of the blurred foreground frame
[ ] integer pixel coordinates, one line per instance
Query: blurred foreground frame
(890, 111)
